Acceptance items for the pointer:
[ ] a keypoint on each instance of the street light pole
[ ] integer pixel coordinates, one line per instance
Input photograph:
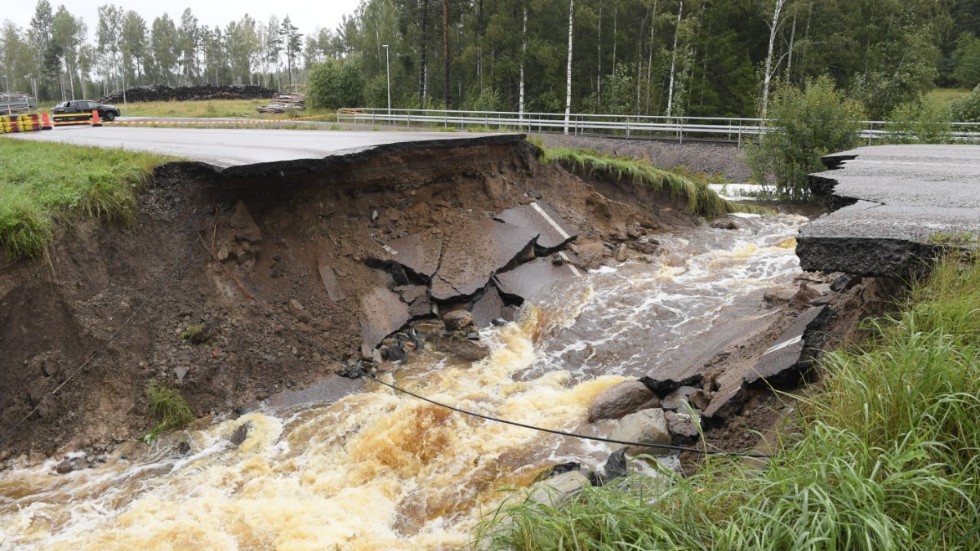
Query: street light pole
(388, 74)
(34, 89)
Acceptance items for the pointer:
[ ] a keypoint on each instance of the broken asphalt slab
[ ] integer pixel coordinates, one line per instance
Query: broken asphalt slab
(532, 280)
(542, 218)
(898, 206)
(475, 252)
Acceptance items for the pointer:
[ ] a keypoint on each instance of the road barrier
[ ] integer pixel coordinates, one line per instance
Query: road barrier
(77, 119)
(678, 128)
(20, 123)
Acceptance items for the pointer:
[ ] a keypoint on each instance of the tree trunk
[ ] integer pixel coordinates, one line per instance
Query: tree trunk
(767, 72)
(423, 50)
(568, 85)
(792, 40)
(653, 26)
(673, 61)
(445, 52)
(523, 58)
(615, 36)
(598, 77)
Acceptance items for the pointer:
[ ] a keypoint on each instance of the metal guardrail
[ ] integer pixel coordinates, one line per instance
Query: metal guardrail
(629, 126)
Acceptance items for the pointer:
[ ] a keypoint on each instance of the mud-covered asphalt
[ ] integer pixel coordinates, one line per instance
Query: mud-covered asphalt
(225, 148)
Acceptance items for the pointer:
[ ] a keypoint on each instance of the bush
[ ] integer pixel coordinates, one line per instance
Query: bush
(807, 124)
(920, 121)
(966, 60)
(335, 83)
(967, 109)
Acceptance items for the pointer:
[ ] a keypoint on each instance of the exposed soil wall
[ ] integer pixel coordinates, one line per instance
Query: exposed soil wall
(150, 301)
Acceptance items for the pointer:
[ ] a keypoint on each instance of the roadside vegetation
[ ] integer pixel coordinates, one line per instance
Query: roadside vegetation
(43, 185)
(701, 200)
(884, 455)
(224, 108)
(168, 408)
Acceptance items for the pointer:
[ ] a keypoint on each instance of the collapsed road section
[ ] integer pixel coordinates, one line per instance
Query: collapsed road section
(895, 207)
(229, 273)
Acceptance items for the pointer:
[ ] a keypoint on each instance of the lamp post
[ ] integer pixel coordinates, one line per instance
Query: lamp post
(388, 74)
(34, 89)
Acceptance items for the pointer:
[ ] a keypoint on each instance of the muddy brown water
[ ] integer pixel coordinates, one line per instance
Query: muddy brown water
(379, 470)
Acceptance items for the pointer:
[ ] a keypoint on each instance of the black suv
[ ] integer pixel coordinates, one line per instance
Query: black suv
(106, 112)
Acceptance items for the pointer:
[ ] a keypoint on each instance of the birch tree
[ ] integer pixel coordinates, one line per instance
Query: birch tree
(568, 85)
(768, 70)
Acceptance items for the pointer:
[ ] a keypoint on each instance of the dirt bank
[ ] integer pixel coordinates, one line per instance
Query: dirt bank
(713, 159)
(225, 277)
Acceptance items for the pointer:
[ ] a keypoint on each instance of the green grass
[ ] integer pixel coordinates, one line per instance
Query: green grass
(946, 96)
(168, 408)
(44, 184)
(213, 109)
(701, 200)
(886, 456)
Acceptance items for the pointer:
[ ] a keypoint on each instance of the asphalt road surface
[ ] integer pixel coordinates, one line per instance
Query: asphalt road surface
(225, 148)
(905, 198)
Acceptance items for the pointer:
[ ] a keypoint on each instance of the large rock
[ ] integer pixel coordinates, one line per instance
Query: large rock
(622, 399)
(557, 489)
(648, 426)
(677, 399)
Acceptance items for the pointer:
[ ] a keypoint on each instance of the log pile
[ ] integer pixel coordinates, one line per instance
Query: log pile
(158, 92)
(283, 103)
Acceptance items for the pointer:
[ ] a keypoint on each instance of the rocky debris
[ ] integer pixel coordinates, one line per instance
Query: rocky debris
(456, 320)
(329, 278)
(239, 434)
(417, 299)
(620, 254)
(457, 344)
(648, 426)
(616, 465)
(622, 399)
(298, 311)
(557, 489)
(679, 399)
(725, 224)
(666, 385)
(587, 254)
(237, 236)
(542, 218)
(682, 427)
(160, 92)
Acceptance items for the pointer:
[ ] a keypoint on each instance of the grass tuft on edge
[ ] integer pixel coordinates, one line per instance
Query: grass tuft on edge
(701, 200)
(43, 185)
(168, 408)
(887, 457)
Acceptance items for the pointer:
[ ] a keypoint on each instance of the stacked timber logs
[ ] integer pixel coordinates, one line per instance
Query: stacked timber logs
(283, 103)
(158, 92)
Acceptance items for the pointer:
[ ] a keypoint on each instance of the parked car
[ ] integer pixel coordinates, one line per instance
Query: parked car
(106, 112)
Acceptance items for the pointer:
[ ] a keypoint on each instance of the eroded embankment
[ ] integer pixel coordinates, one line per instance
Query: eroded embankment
(227, 277)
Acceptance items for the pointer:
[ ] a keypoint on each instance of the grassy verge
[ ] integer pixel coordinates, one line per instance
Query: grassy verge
(701, 200)
(946, 96)
(168, 408)
(43, 184)
(225, 108)
(887, 456)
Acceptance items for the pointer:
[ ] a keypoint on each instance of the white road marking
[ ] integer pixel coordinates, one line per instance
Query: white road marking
(783, 345)
(561, 232)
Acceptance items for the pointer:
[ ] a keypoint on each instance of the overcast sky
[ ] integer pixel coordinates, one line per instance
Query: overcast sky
(307, 15)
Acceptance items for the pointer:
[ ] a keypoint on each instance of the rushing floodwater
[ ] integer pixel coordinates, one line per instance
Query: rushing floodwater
(377, 470)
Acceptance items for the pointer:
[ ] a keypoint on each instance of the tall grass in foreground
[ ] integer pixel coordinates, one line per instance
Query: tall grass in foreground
(44, 184)
(888, 456)
(701, 200)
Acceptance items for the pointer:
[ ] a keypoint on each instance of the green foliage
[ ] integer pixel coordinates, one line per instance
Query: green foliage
(920, 121)
(168, 407)
(336, 83)
(807, 124)
(966, 60)
(43, 184)
(701, 200)
(887, 457)
(967, 109)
